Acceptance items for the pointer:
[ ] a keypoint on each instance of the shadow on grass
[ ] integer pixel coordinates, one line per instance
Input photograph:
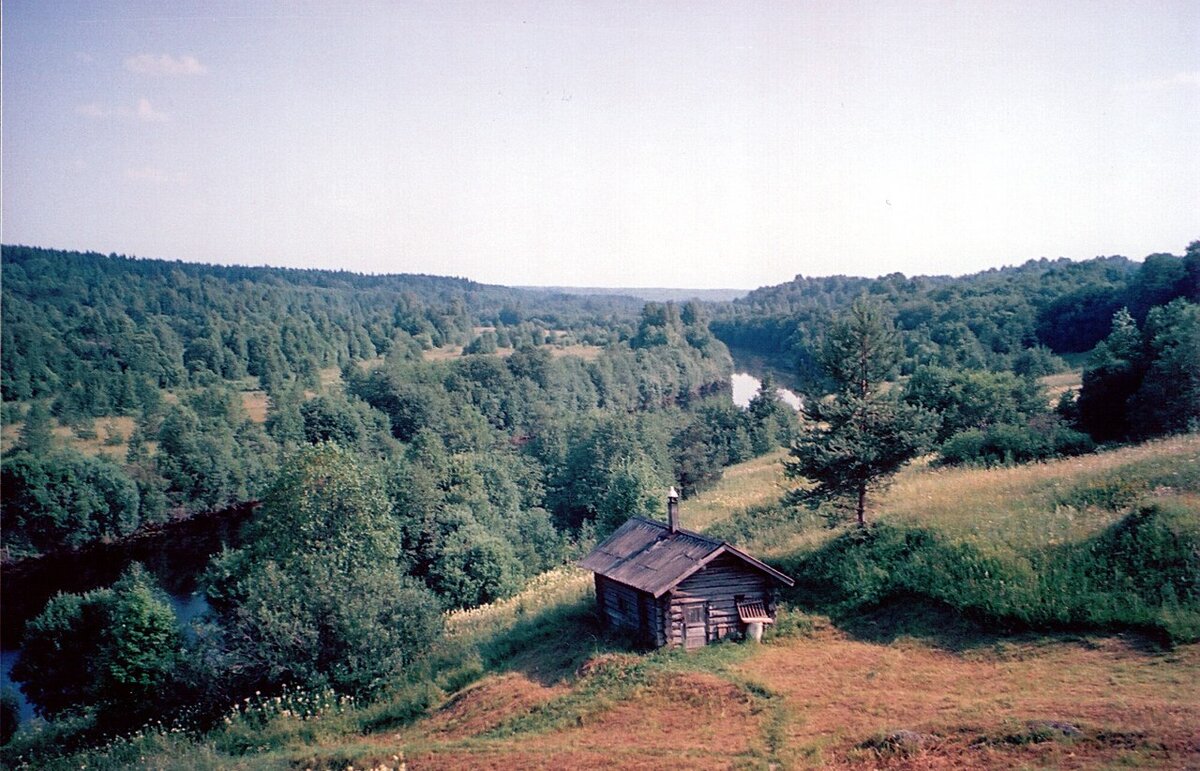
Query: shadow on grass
(551, 645)
(936, 624)
(911, 616)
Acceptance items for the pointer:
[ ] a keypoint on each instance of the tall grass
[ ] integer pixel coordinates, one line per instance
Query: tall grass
(1043, 504)
(1109, 540)
(1142, 572)
(755, 483)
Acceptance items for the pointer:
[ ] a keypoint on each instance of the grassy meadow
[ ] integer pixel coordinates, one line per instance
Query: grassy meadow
(1039, 616)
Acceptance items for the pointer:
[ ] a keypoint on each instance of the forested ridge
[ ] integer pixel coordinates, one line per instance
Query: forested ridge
(92, 331)
(1009, 318)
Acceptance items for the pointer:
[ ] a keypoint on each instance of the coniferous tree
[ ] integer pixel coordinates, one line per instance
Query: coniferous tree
(36, 432)
(862, 434)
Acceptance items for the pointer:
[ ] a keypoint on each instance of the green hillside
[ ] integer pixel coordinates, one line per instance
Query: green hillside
(857, 677)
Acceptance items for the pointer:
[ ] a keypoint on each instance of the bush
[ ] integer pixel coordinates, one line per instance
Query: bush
(64, 498)
(1005, 444)
(317, 598)
(10, 715)
(108, 651)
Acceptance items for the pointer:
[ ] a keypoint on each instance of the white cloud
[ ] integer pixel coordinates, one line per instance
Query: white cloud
(146, 174)
(92, 110)
(164, 64)
(83, 57)
(1178, 80)
(147, 113)
(144, 111)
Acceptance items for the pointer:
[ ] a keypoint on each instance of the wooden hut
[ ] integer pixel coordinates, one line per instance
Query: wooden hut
(674, 587)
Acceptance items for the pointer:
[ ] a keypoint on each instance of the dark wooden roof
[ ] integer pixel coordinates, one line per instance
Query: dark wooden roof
(648, 556)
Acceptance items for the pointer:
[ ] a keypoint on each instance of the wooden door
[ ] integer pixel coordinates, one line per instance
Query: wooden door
(695, 624)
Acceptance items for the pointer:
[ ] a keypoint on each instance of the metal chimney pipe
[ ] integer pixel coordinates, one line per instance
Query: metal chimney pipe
(672, 510)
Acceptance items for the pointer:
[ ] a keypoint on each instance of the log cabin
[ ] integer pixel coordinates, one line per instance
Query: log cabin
(670, 586)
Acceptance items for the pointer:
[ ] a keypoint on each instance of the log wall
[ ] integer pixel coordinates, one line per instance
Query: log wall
(716, 588)
(719, 584)
(628, 608)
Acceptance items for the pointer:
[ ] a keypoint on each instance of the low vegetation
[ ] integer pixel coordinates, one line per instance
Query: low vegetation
(430, 454)
(1043, 634)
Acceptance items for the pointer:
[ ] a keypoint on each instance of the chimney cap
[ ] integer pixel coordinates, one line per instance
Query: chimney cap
(671, 493)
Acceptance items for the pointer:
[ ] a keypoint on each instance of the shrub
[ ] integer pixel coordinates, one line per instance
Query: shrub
(317, 597)
(111, 651)
(10, 715)
(1005, 443)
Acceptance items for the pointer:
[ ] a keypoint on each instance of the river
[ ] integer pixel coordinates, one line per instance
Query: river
(745, 386)
(175, 553)
(187, 608)
(748, 371)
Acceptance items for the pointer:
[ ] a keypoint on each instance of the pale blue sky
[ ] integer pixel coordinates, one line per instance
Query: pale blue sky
(615, 144)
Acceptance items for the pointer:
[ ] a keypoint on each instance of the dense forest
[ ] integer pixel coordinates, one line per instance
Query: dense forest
(1014, 319)
(514, 448)
(421, 444)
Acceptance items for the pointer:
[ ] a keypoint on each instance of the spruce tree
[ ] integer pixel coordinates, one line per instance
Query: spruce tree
(862, 434)
(37, 434)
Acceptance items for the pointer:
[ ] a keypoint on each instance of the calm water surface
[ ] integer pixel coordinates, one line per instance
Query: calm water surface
(745, 386)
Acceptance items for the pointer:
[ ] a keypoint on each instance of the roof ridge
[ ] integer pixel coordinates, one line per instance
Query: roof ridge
(685, 531)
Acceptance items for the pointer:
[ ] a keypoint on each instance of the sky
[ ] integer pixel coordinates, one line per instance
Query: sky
(627, 144)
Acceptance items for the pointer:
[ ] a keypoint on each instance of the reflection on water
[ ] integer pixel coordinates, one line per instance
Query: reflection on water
(745, 386)
(8, 659)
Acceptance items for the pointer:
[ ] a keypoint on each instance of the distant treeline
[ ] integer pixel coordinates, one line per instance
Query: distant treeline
(95, 334)
(1012, 319)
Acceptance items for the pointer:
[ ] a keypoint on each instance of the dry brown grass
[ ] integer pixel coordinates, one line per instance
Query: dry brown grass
(447, 353)
(1060, 382)
(256, 404)
(685, 720)
(9, 434)
(585, 352)
(452, 352)
(330, 376)
(104, 428)
(559, 587)
(844, 691)
(833, 694)
(481, 707)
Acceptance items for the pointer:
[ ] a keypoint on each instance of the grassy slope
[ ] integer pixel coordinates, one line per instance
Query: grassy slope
(820, 695)
(534, 683)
